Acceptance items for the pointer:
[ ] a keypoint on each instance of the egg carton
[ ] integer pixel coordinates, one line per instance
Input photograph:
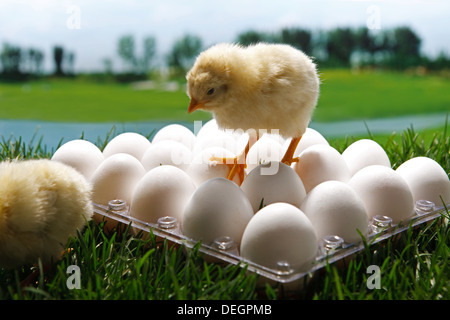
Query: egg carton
(331, 249)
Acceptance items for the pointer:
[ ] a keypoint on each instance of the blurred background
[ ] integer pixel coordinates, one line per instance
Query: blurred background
(80, 68)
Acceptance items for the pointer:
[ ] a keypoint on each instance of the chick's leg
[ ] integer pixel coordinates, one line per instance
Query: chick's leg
(289, 155)
(237, 165)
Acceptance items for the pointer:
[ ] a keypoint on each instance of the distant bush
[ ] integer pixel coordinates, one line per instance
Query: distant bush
(129, 77)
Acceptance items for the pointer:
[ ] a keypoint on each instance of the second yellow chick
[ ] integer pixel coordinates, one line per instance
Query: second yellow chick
(42, 204)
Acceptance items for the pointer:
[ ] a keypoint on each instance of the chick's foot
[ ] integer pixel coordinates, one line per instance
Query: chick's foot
(288, 157)
(237, 164)
(236, 167)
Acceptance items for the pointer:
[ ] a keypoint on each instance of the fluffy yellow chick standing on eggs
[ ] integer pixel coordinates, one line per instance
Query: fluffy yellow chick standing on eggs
(259, 87)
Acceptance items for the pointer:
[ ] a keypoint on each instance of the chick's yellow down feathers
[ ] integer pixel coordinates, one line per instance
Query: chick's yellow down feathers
(42, 203)
(262, 86)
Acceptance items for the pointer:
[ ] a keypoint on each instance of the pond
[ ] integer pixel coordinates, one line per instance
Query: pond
(52, 133)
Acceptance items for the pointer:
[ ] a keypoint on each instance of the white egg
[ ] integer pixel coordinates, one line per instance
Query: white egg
(426, 179)
(309, 138)
(162, 191)
(128, 142)
(82, 155)
(202, 168)
(209, 128)
(363, 153)
(334, 208)
(209, 135)
(218, 208)
(319, 163)
(274, 134)
(167, 152)
(280, 233)
(266, 149)
(273, 182)
(218, 139)
(175, 132)
(116, 178)
(237, 134)
(384, 192)
(241, 139)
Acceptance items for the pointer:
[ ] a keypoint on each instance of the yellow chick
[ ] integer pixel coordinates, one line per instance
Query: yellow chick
(42, 203)
(259, 87)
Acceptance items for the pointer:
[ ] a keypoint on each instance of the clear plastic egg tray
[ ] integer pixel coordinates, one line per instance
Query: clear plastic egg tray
(331, 249)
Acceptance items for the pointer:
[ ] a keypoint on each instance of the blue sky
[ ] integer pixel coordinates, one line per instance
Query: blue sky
(91, 28)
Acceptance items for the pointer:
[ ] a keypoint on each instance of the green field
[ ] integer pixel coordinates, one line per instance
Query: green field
(344, 95)
(85, 101)
(367, 95)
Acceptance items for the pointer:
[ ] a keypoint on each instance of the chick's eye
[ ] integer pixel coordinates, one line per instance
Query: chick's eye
(210, 91)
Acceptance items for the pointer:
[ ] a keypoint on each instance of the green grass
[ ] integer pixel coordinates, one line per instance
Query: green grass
(344, 95)
(367, 95)
(84, 101)
(118, 265)
(126, 267)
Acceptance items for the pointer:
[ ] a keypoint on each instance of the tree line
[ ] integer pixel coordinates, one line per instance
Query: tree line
(397, 48)
(18, 64)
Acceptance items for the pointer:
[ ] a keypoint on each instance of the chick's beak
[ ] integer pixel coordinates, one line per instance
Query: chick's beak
(194, 105)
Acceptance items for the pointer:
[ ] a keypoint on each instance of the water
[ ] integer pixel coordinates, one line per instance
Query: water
(380, 126)
(52, 133)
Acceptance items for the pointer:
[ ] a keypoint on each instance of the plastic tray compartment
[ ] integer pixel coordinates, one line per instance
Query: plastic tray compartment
(331, 248)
